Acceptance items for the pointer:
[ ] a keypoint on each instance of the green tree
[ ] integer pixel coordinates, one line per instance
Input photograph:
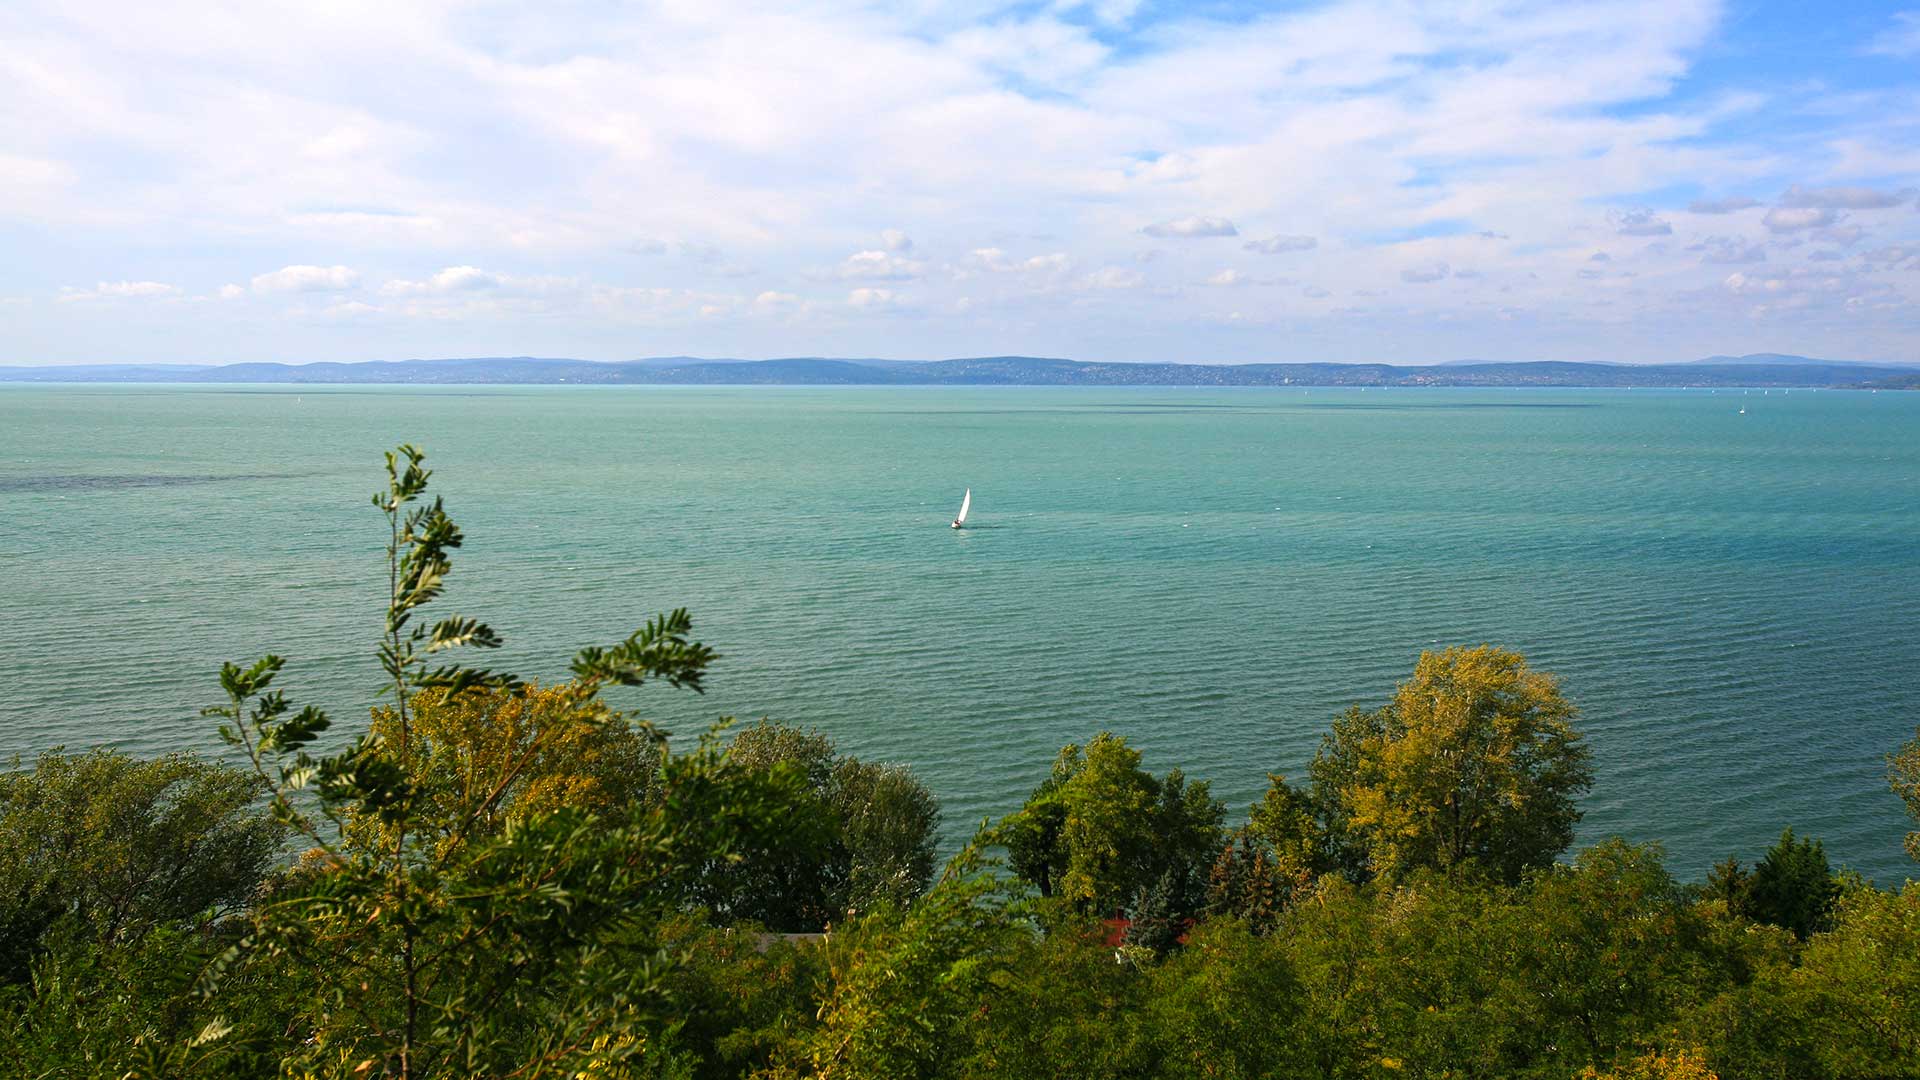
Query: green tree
(1903, 774)
(1838, 1007)
(862, 837)
(1792, 887)
(492, 754)
(1101, 831)
(121, 846)
(907, 984)
(1474, 763)
(474, 929)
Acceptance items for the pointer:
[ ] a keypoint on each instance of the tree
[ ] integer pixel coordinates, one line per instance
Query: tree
(906, 983)
(862, 836)
(1903, 775)
(1474, 763)
(1792, 887)
(121, 846)
(456, 925)
(490, 755)
(1730, 884)
(1101, 831)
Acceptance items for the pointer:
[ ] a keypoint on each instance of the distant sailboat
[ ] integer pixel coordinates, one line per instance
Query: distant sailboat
(966, 504)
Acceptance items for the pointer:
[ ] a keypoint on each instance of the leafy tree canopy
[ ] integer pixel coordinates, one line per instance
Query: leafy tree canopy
(862, 836)
(1475, 763)
(123, 845)
(1101, 832)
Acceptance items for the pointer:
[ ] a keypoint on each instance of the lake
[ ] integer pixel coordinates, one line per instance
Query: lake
(1730, 599)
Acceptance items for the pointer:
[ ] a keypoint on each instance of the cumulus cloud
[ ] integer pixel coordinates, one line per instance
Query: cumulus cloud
(1788, 220)
(994, 260)
(122, 290)
(1116, 277)
(1843, 235)
(1599, 256)
(454, 279)
(1280, 245)
(1230, 278)
(1191, 227)
(880, 266)
(868, 299)
(137, 288)
(1844, 198)
(1034, 127)
(1422, 275)
(1722, 206)
(231, 292)
(1729, 249)
(303, 279)
(1638, 221)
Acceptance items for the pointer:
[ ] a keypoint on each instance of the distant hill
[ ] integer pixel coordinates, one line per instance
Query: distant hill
(1788, 360)
(1760, 370)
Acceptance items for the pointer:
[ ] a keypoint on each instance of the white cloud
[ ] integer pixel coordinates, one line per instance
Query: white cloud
(1729, 249)
(1784, 220)
(994, 260)
(880, 266)
(1280, 245)
(1315, 292)
(1422, 275)
(1051, 132)
(306, 279)
(872, 299)
(1191, 227)
(1233, 278)
(1639, 221)
(1843, 235)
(146, 289)
(1844, 198)
(1722, 206)
(1116, 277)
(1902, 39)
(232, 292)
(122, 290)
(454, 279)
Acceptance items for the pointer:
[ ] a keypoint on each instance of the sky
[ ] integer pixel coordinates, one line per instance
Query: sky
(1119, 180)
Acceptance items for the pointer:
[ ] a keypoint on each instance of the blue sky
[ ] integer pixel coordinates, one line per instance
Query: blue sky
(1117, 180)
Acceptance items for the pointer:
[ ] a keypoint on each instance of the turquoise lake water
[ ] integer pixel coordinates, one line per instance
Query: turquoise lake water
(1215, 574)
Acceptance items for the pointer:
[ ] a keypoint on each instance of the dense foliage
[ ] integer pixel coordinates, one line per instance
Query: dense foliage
(508, 880)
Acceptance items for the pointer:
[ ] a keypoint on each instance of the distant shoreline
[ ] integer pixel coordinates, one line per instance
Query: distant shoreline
(1765, 371)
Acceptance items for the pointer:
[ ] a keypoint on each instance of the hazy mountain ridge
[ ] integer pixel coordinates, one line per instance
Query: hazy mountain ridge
(1762, 369)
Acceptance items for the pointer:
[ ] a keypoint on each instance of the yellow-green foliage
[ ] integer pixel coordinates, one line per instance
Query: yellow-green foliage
(1475, 760)
(1903, 773)
(491, 754)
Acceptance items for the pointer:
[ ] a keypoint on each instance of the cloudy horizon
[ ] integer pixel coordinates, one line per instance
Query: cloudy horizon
(1117, 180)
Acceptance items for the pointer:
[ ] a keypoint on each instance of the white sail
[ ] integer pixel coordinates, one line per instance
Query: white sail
(966, 504)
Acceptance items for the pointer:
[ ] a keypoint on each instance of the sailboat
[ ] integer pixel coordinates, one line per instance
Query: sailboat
(966, 504)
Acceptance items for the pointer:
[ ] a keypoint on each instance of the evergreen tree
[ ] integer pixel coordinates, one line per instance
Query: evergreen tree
(1793, 887)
